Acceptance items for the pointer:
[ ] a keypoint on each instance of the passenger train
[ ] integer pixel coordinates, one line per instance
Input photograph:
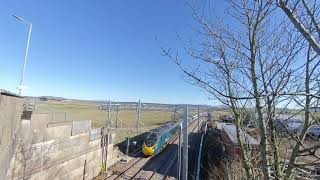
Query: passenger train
(158, 139)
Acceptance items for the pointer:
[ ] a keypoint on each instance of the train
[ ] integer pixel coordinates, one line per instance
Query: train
(157, 139)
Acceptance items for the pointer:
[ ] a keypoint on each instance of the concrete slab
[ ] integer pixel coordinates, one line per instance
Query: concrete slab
(38, 127)
(56, 132)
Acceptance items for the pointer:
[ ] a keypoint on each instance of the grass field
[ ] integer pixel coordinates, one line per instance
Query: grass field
(68, 111)
(62, 111)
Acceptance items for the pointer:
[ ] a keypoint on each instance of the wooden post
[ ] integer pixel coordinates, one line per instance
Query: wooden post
(107, 147)
(103, 162)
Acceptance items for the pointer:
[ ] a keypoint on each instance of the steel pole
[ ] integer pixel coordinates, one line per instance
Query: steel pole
(25, 58)
(198, 119)
(179, 153)
(138, 118)
(185, 145)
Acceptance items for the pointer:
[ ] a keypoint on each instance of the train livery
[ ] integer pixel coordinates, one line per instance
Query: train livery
(158, 139)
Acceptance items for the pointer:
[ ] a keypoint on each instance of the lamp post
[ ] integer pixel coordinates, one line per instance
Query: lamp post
(27, 50)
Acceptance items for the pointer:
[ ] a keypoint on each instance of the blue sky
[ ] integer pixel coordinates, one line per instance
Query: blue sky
(97, 49)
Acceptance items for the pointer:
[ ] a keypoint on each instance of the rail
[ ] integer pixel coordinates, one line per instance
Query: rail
(140, 163)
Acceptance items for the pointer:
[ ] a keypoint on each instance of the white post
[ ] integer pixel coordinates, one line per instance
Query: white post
(185, 145)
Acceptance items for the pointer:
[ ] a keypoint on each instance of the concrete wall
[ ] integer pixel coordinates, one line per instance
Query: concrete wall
(11, 107)
(70, 150)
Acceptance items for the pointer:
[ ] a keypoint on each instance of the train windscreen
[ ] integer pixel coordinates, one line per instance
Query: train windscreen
(151, 139)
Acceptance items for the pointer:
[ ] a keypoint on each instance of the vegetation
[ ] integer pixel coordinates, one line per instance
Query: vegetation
(62, 111)
(261, 56)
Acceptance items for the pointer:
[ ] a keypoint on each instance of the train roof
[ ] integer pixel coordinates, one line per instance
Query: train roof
(164, 128)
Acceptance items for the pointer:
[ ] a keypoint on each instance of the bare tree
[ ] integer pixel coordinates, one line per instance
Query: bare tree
(300, 13)
(251, 65)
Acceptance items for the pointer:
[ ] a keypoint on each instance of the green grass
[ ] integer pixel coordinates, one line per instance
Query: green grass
(79, 110)
(68, 111)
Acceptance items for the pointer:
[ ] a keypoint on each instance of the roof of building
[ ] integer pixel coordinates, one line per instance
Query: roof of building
(230, 129)
(8, 93)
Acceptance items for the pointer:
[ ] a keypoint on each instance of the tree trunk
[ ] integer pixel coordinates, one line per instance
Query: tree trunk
(303, 133)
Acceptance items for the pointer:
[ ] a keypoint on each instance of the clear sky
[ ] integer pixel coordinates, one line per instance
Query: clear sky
(97, 49)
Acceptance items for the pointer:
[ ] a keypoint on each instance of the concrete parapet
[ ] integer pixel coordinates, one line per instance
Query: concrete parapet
(24, 130)
(58, 130)
(11, 107)
(38, 127)
(69, 150)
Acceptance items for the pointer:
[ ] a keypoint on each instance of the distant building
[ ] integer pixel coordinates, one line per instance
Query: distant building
(230, 141)
(52, 98)
(43, 98)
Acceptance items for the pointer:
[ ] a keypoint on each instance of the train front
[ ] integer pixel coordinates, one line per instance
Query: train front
(150, 144)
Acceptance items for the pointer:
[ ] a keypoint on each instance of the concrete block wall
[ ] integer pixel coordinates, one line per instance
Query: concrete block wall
(11, 107)
(70, 150)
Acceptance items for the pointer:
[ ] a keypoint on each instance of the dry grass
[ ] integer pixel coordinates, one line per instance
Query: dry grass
(69, 111)
(73, 110)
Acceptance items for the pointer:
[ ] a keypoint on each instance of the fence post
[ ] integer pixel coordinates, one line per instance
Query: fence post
(128, 144)
(103, 162)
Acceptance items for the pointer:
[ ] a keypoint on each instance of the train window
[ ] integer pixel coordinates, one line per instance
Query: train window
(151, 139)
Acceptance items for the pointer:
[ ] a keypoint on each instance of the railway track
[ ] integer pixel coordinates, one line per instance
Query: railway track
(156, 167)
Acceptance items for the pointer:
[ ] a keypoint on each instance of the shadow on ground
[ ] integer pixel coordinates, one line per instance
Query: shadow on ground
(164, 162)
(213, 153)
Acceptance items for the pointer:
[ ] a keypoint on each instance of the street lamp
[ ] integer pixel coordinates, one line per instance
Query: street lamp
(27, 50)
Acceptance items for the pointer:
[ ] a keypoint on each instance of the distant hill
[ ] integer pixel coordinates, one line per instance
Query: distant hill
(104, 103)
